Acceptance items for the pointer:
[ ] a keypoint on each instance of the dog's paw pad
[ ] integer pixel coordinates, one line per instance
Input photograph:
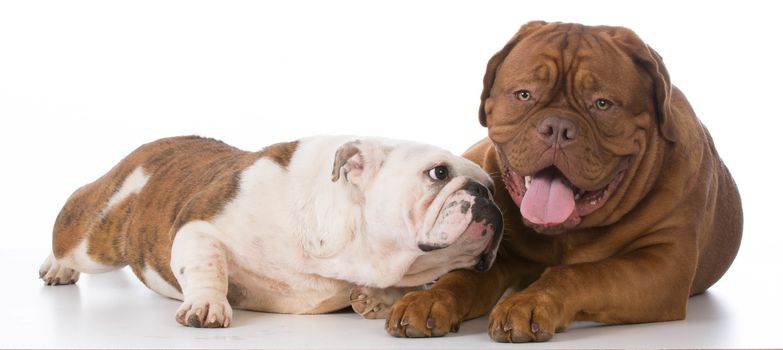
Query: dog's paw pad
(54, 273)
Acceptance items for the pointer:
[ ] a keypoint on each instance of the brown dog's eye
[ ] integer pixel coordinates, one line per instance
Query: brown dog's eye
(523, 95)
(603, 104)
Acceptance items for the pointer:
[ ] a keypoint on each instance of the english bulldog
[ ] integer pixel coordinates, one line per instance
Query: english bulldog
(293, 228)
(616, 204)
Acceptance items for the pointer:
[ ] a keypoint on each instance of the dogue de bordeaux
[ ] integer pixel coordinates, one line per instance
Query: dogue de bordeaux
(616, 204)
(294, 228)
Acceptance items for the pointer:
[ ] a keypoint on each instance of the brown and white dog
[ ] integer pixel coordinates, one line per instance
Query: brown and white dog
(289, 229)
(616, 204)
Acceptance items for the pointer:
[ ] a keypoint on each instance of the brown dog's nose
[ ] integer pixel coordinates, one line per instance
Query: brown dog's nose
(557, 131)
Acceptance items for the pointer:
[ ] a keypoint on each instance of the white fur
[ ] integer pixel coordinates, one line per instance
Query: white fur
(298, 241)
(131, 185)
(79, 260)
(198, 261)
(198, 250)
(153, 280)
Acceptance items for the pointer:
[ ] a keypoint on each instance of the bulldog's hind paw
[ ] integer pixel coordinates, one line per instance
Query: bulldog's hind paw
(365, 301)
(54, 273)
(374, 303)
(205, 313)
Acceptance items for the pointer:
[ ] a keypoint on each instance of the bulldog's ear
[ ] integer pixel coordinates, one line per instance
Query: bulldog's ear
(497, 60)
(348, 162)
(357, 161)
(644, 56)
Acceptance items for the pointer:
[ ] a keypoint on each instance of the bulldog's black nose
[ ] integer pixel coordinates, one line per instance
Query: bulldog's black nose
(477, 189)
(557, 131)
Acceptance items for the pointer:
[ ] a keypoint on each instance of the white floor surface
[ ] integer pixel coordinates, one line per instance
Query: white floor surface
(114, 310)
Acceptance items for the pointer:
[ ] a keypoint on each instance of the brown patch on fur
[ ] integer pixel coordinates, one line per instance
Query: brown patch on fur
(108, 248)
(79, 216)
(280, 153)
(190, 178)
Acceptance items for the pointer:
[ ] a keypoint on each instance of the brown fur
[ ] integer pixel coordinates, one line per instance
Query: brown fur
(670, 230)
(190, 178)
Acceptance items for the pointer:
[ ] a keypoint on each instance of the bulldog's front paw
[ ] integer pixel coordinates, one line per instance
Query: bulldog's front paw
(426, 313)
(525, 317)
(205, 313)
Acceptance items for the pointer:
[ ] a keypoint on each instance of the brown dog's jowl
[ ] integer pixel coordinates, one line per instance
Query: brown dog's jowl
(617, 207)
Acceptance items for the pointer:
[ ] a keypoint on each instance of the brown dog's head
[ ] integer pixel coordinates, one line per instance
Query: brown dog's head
(571, 110)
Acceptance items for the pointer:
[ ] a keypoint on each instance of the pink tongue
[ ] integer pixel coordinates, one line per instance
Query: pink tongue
(548, 200)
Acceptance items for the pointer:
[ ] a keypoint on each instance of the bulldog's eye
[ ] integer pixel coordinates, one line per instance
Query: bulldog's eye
(440, 172)
(523, 95)
(603, 104)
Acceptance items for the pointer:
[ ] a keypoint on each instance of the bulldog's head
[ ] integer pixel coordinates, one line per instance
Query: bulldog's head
(424, 199)
(571, 110)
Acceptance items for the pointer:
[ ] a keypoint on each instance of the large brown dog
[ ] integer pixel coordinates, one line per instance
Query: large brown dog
(616, 204)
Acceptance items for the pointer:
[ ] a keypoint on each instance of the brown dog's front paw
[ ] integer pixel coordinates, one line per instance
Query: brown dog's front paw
(526, 317)
(426, 313)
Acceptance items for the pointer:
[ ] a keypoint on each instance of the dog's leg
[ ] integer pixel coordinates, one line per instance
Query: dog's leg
(89, 234)
(198, 260)
(456, 296)
(65, 269)
(374, 303)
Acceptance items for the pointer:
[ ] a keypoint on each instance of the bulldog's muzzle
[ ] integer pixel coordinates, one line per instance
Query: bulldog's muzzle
(487, 216)
(471, 210)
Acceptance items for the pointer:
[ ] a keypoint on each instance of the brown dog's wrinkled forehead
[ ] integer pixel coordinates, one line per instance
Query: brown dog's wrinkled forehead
(568, 43)
(542, 51)
(564, 35)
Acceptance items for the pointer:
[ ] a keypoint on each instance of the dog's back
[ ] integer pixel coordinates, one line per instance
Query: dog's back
(720, 240)
(114, 221)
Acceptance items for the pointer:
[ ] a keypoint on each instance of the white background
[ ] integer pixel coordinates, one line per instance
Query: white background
(83, 83)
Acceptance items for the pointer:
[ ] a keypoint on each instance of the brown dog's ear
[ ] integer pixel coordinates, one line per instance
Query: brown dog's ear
(647, 58)
(663, 93)
(497, 59)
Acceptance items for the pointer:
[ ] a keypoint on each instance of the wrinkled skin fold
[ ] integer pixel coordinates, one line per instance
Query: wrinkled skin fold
(616, 205)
